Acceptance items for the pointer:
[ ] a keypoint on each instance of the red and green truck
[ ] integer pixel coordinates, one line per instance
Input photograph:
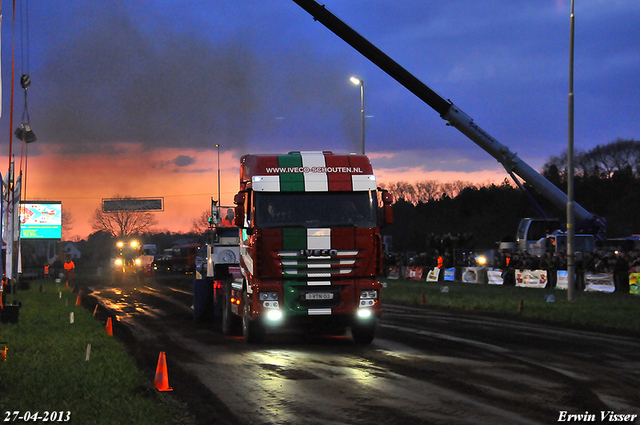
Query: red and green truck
(310, 248)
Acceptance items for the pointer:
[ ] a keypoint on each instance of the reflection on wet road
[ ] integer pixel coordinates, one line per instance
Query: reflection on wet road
(424, 367)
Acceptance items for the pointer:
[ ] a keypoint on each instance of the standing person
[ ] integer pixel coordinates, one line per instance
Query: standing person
(228, 220)
(508, 272)
(69, 269)
(621, 273)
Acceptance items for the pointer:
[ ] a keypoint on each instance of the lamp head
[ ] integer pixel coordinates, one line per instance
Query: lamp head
(25, 133)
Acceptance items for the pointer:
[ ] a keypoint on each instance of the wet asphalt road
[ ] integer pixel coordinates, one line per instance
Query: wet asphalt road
(424, 367)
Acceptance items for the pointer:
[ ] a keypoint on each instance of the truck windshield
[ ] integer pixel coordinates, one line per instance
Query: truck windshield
(316, 209)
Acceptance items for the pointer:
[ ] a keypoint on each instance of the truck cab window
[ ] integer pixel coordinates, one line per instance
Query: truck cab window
(316, 209)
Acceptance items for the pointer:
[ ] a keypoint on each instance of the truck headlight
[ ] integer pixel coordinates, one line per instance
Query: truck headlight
(371, 294)
(364, 313)
(368, 298)
(274, 315)
(118, 261)
(268, 296)
(269, 300)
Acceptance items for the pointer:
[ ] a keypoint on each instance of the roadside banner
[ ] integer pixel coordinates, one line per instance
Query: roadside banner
(433, 275)
(494, 277)
(563, 280)
(601, 282)
(449, 274)
(414, 273)
(474, 275)
(634, 283)
(531, 278)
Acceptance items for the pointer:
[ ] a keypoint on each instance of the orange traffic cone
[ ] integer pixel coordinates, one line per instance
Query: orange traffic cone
(79, 300)
(161, 382)
(109, 328)
(66, 285)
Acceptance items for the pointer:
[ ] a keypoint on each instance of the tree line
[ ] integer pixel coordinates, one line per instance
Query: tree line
(606, 183)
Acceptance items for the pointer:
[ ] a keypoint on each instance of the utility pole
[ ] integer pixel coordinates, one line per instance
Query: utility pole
(218, 147)
(571, 265)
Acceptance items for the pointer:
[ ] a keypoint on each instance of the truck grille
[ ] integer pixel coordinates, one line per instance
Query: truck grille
(297, 264)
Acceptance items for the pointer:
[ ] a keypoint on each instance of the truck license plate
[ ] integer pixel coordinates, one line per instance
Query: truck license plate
(319, 296)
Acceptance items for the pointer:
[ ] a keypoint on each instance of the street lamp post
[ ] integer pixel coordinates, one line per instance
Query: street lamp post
(571, 268)
(360, 82)
(218, 148)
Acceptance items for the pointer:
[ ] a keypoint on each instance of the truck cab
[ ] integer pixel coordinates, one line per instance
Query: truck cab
(310, 248)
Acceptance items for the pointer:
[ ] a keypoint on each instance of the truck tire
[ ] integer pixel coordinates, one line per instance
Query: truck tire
(363, 333)
(252, 330)
(229, 321)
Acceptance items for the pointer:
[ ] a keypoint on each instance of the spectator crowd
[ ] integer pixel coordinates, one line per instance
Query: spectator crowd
(446, 252)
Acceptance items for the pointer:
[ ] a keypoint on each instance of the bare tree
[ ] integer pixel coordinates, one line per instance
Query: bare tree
(601, 161)
(67, 221)
(201, 224)
(122, 223)
(426, 190)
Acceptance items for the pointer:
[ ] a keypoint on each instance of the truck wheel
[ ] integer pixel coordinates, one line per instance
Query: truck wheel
(228, 319)
(363, 333)
(252, 331)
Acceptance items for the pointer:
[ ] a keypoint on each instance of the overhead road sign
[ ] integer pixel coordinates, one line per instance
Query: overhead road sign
(132, 204)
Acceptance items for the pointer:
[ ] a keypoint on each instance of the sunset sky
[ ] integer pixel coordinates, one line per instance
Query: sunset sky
(130, 98)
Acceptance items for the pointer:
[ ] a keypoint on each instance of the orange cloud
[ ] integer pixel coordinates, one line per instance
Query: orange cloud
(185, 178)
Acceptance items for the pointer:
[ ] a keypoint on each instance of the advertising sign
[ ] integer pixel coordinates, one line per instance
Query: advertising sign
(531, 278)
(41, 220)
(132, 204)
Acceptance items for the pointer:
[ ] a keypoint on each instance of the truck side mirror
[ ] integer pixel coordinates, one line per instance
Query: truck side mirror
(387, 209)
(238, 199)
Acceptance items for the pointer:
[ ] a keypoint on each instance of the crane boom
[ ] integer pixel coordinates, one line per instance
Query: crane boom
(447, 110)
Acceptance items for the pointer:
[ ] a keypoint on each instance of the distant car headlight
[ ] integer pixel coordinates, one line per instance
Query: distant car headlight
(118, 261)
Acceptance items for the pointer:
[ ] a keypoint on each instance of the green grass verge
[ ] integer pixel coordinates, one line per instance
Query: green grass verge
(46, 367)
(592, 309)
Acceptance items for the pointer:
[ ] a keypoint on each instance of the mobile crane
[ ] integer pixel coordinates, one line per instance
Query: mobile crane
(455, 117)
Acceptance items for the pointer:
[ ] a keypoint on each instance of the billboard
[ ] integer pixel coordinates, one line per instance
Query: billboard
(40, 220)
(132, 204)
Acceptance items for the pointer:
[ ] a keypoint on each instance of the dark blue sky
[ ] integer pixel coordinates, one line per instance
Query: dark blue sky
(263, 76)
